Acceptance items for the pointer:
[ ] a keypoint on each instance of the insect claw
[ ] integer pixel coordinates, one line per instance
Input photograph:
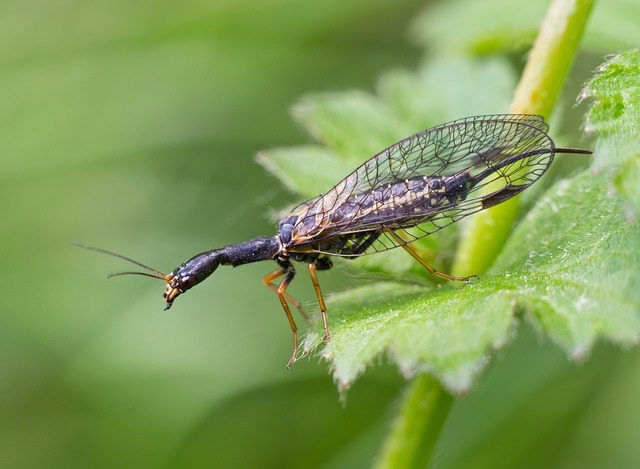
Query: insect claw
(291, 362)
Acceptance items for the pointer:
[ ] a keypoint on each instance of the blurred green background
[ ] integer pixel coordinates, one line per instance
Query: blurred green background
(133, 126)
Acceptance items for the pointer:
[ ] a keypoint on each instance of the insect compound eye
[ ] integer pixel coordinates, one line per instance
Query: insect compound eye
(186, 282)
(286, 228)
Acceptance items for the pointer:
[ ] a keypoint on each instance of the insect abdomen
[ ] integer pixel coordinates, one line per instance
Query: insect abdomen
(411, 198)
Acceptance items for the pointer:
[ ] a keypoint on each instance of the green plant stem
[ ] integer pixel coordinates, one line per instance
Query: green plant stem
(426, 404)
(417, 426)
(545, 73)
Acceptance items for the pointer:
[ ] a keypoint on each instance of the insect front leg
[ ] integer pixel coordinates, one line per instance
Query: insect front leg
(269, 278)
(289, 273)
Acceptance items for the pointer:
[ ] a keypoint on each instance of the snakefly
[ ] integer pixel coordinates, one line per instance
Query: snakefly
(424, 182)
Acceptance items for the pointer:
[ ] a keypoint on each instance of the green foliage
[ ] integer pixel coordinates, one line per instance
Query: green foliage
(461, 26)
(132, 126)
(565, 264)
(614, 115)
(573, 257)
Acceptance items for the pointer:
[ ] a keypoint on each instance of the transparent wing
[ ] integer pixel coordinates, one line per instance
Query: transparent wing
(432, 179)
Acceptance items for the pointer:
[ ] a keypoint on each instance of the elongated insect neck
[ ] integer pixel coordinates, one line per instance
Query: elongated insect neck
(254, 250)
(204, 264)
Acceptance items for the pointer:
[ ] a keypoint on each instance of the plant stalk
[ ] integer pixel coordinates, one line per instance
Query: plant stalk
(541, 82)
(426, 404)
(415, 432)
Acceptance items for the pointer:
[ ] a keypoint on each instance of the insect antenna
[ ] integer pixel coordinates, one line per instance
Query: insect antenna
(156, 273)
(133, 272)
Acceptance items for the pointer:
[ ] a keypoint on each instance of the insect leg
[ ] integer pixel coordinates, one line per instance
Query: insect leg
(406, 238)
(280, 291)
(323, 308)
(269, 278)
(414, 254)
(366, 243)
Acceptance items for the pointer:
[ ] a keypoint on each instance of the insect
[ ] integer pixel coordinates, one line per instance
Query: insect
(415, 187)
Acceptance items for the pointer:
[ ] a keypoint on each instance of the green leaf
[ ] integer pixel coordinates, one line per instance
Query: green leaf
(307, 170)
(355, 124)
(440, 90)
(435, 331)
(580, 260)
(512, 23)
(571, 268)
(615, 116)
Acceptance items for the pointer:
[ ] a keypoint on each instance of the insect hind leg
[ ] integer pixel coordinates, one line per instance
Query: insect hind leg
(366, 242)
(407, 247)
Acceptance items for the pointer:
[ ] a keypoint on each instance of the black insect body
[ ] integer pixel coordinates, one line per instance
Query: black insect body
(427, 181)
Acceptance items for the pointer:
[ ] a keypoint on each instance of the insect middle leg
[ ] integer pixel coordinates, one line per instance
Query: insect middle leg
(407, 247)
(289, 273)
